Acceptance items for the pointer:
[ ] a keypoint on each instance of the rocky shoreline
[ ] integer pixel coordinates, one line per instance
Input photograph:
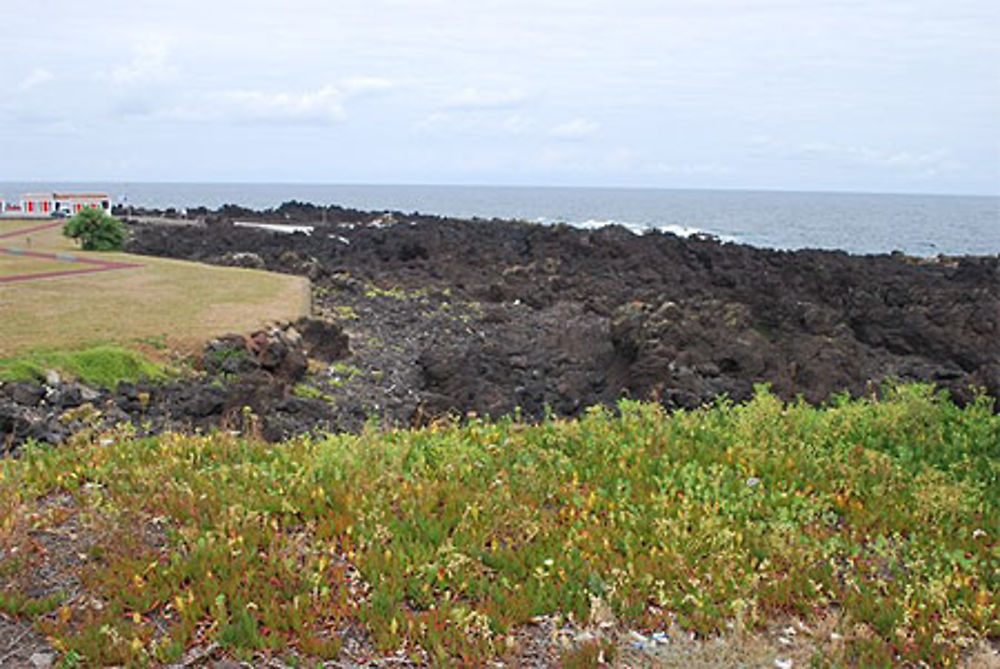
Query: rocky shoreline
(418, 317)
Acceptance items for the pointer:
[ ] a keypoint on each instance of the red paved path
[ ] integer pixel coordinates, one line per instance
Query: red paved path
(94, 265)
(26, 231)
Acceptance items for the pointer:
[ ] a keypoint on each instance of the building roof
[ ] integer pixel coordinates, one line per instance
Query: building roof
(66, 196)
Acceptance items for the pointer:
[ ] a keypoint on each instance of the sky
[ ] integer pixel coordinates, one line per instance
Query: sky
(839, 95)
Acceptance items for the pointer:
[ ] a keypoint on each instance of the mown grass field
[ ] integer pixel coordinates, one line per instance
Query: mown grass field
(11, 265)
(185, 302)
(880, 515)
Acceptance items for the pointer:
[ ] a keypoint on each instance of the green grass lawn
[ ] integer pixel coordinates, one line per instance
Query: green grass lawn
(183, 301)
(881, 515)
(11, 265)
(14, 224)
(104, 366)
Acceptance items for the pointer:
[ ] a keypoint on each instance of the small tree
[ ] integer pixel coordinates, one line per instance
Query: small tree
(97, 230)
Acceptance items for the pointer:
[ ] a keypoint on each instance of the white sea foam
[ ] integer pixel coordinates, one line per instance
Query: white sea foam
(683, 230)
(640, 228)
(276, 227)
(597, 223)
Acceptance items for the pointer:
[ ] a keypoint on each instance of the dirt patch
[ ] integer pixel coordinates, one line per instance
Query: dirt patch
(19, 642)
(40, 566)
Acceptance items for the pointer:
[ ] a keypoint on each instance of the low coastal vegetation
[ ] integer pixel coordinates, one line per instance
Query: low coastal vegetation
(102, 365)
(878, 514)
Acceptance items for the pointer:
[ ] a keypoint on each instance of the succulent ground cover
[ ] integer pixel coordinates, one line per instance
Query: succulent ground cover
(446, 543)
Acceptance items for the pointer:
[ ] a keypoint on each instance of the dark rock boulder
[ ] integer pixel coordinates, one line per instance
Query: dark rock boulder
(278, 353)
(323, 340)
(229, 355)
(25, 393)
(246, 259)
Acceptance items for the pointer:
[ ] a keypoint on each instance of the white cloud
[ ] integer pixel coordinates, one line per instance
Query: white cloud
(323, 105)
(761, 139)
(692, 169)
(555, 157)
(484, 123)
(37, 77)
(930, 163)
(60, 128)
(623, 158)
(474, 98)
(480, 112)
(577, 128)
(581, 158)
(920, 162)
(354, 86)
(149, 64)
(508, 78)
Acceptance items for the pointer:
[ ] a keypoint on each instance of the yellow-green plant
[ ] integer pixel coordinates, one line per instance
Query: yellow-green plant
(449, 538)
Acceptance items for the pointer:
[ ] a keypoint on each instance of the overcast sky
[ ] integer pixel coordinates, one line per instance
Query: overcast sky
(880, 95)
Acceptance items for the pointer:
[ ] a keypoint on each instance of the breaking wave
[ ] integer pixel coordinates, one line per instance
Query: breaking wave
(640, 228)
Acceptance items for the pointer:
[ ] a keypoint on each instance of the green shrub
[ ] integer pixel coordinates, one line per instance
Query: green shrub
(97, 230)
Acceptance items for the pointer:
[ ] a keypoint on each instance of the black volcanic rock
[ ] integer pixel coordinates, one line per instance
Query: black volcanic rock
(452, 316)
(323, 340)
(653, 315)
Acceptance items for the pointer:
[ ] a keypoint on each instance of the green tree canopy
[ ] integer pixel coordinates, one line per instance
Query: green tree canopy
(97, 230)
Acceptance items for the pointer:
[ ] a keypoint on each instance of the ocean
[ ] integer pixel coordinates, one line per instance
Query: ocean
(923, 225)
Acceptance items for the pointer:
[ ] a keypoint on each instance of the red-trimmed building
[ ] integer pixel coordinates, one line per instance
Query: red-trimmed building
(47, 204)
(10, 208)
(37, 204)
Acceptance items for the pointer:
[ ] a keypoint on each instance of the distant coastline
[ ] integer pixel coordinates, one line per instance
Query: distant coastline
(860, 223)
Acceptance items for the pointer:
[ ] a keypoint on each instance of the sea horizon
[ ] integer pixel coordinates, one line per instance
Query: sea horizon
(920, 224)
(549, 186)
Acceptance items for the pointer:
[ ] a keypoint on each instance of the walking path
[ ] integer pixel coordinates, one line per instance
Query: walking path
(27, 231)
(93, 265)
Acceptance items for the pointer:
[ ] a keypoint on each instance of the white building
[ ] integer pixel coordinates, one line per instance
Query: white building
(48, 204)
(10, 208)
